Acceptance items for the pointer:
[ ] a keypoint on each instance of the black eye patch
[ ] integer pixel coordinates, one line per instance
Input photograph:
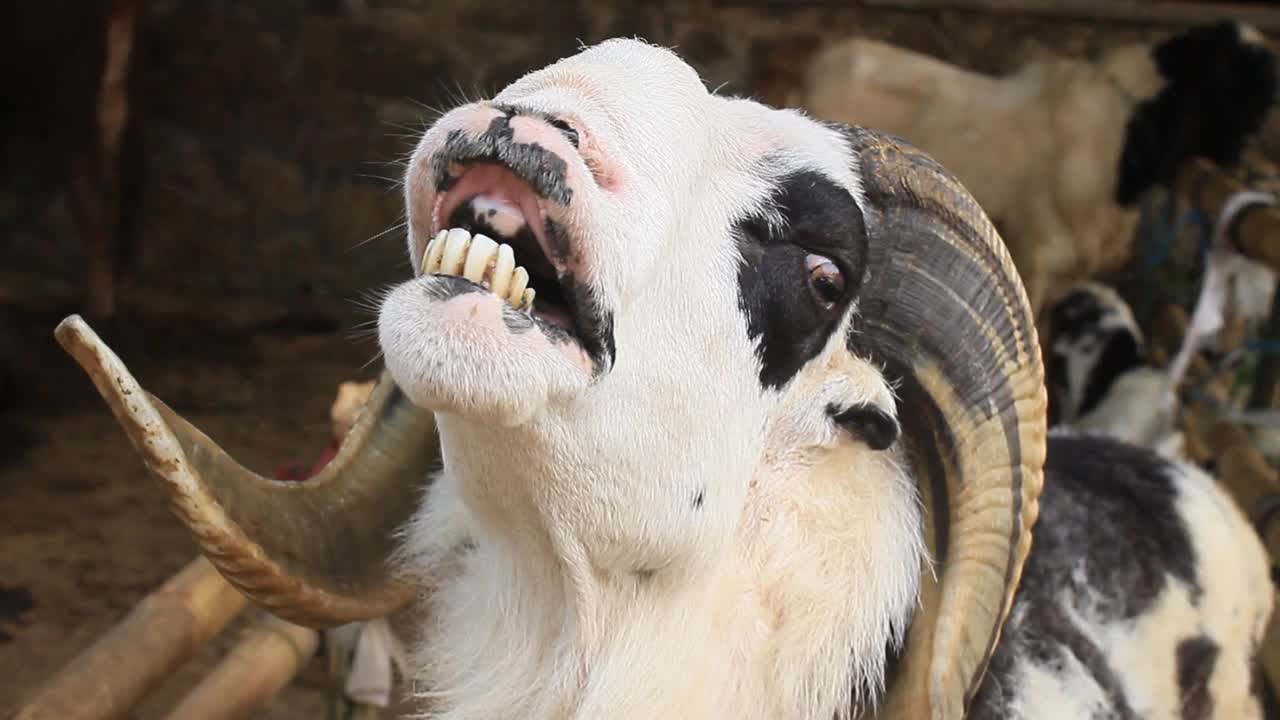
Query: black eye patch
(867, 423)
(783, 318)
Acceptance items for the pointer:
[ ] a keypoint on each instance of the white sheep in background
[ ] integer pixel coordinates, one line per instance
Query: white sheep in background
(775, 375)
(1059, 152)
(1099, 375)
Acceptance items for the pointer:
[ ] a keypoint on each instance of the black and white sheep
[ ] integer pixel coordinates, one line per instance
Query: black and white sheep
(768, 442)
(1099, 375)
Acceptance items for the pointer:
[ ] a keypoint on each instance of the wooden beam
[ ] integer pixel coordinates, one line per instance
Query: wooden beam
(1144, 12)
(269, 655)
(161, 632)
(1255, 232)
(1263, 392)
(1255, 485)
(1251, 480)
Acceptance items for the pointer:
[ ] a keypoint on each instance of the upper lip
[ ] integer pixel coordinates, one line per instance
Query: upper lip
(470, 179)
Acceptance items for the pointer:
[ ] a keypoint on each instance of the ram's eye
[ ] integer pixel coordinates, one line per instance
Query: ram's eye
(825, 279)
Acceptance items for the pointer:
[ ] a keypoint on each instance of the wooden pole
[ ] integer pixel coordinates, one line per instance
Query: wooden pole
(1255, 232)
(1255, 485)
(271, 653)
(1140, 12)
(1263, 391)
(1143, 12)
(161, 632)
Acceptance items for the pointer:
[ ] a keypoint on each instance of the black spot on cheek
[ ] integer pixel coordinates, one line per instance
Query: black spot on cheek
(868, 423)
(697, 499)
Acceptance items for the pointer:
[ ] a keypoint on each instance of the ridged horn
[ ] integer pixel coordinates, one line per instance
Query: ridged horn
(314, 552)
(943, 309)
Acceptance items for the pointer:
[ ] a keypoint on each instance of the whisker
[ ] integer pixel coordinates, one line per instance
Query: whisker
(372, 360)
(394, 228)
(371, 300)
(435, 112)
(410, 131)
(461, 93)
(363, 333)
(395, 182)
(423, 105)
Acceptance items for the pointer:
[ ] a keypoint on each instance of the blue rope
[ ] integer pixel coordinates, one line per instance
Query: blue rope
(1162, 236)
(1262, 346)
(1207, 225)
(1158, 241)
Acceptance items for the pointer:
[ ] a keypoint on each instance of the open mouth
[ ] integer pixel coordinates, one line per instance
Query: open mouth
(490, 228)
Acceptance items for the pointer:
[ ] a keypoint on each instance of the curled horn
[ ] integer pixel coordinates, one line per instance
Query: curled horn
(944, 310)
(314, 552)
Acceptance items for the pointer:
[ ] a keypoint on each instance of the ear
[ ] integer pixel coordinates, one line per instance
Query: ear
(868, 423)
(861, 402)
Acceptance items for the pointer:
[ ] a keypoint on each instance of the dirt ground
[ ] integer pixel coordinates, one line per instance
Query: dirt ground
(84, 533)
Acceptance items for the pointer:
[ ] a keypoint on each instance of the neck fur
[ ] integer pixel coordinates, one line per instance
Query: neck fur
(790, 619)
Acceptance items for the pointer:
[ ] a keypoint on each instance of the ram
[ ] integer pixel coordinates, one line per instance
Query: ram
(767, 439)
(1060, 152)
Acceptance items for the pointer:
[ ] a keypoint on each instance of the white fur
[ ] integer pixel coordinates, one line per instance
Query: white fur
(1132, 411)
(570, 577)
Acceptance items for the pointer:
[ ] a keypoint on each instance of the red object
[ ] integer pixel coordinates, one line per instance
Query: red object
(297, 470)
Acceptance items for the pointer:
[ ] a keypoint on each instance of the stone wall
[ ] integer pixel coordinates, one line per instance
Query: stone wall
(273, 130)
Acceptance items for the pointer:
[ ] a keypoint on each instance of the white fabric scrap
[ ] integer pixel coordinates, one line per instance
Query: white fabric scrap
(378, 653)
(1222, 264)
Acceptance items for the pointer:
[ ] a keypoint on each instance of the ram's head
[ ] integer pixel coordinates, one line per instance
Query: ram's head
(727, 299)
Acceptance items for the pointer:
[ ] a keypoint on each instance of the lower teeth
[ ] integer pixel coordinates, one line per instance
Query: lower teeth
(480, 260)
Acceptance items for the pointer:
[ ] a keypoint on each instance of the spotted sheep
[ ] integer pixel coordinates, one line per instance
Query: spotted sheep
(768, 442)
(1100, 376)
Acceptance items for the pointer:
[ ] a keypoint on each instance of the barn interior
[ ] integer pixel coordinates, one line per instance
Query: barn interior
(216, 187)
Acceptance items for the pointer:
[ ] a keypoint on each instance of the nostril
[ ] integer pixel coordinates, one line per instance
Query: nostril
(565, 128)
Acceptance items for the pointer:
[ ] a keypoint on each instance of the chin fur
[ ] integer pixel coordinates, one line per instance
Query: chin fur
(804, 605)
(454, 347)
